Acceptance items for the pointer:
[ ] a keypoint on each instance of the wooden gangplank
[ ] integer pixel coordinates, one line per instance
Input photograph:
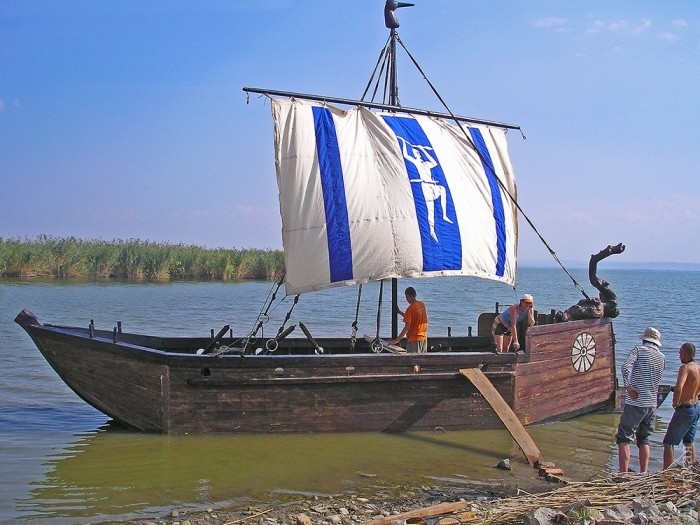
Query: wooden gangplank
(508, 417)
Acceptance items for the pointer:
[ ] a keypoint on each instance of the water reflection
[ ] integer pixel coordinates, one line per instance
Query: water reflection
(117, 474)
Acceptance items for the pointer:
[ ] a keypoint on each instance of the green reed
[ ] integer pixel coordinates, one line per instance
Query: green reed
(70, 257)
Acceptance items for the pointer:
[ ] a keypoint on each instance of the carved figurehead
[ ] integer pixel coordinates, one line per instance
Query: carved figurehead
(605, 305)
(390, 20)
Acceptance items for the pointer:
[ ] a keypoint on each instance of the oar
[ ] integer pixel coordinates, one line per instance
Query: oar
(272, 344)
(311, 339)
(216, 339)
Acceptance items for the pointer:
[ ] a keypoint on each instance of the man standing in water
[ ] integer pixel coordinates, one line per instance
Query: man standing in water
(684, 421)
(641, 375)
(416, 324)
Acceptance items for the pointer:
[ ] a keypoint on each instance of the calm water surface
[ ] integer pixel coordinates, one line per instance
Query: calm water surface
(61, 462)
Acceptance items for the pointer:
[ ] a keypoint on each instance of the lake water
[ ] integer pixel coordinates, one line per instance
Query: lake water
(61, 461)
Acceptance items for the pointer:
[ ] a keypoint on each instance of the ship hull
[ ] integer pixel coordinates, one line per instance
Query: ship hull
(160, 384)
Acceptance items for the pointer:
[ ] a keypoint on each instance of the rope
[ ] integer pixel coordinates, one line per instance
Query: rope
(289, 314)
(381, 63)
(379, 307)
(264, 316)
(353, 334)
(500, 183)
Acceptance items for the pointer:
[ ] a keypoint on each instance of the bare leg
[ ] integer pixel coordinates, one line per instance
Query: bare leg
(644, 453)
(624, 453)
(498, 339)
(506, 343)
(692, 453)
(668, 455)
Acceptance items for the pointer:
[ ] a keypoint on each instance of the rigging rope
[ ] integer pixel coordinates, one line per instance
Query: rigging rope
(379, 308)
(353, 334)
(381, 63)
(289, 314)
(500, 183)
(264, 317)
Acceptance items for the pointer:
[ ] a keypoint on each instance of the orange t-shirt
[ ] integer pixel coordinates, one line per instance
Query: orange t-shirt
(417, 320)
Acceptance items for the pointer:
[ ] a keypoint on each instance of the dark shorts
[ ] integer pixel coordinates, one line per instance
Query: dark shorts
(683, 425)
(501, 329)
(636, 424)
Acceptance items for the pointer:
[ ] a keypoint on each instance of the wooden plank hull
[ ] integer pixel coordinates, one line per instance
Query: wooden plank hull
(162, 385)
(571, 371)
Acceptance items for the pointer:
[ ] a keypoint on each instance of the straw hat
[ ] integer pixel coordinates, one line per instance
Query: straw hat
(652, 335)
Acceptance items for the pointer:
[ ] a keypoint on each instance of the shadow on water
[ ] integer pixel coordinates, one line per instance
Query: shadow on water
(118, 474)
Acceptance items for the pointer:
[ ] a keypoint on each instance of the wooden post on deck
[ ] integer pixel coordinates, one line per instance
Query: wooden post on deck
(510, 420)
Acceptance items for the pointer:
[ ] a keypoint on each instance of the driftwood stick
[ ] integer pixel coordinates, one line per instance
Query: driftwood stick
(425, 512)
(248, 517)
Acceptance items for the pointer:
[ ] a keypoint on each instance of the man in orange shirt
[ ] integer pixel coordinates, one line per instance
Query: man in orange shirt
(415, 328)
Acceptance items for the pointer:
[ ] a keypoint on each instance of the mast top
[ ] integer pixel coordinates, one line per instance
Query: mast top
(390, 20)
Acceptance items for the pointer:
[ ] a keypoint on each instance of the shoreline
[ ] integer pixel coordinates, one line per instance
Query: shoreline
(356, 506)
(671, 497)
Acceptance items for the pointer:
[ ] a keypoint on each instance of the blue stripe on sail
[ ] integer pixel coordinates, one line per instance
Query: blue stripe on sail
(335, 205)
(496, 199)
(437, 222)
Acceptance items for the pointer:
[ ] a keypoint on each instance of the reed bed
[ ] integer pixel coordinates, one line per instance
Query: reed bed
(63, 258)
(680, 486)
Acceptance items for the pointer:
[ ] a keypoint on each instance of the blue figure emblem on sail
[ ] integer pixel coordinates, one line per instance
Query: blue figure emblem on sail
(432, 190)
(367, 196)
(431, 194)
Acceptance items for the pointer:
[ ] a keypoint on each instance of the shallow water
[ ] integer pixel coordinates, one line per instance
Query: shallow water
(112, 473)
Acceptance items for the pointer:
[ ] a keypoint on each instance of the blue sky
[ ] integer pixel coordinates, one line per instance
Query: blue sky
(127, 119)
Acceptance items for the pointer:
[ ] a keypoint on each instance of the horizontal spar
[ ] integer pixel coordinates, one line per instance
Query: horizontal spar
(375, 105)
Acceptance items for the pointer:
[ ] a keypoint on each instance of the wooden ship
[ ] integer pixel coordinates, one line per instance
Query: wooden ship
(372, 192)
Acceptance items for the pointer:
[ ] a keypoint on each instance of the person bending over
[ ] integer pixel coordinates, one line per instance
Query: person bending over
(505, 326)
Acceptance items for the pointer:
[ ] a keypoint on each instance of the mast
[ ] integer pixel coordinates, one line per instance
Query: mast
(392, 23)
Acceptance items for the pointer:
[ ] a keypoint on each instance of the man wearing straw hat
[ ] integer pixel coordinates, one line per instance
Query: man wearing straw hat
(641, 375)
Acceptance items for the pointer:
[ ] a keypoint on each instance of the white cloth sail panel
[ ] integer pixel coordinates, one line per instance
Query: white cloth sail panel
(367, 196)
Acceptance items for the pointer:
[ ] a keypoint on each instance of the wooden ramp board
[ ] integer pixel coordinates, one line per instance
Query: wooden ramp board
(394, 349)
(510, 420)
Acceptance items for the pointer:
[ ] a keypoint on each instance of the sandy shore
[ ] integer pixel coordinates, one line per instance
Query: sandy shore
(670, 497)
(351, 508)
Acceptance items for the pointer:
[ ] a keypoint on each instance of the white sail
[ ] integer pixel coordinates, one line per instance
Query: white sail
(367, 196)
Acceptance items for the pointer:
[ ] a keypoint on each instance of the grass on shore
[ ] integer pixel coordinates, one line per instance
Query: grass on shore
(63, 258)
